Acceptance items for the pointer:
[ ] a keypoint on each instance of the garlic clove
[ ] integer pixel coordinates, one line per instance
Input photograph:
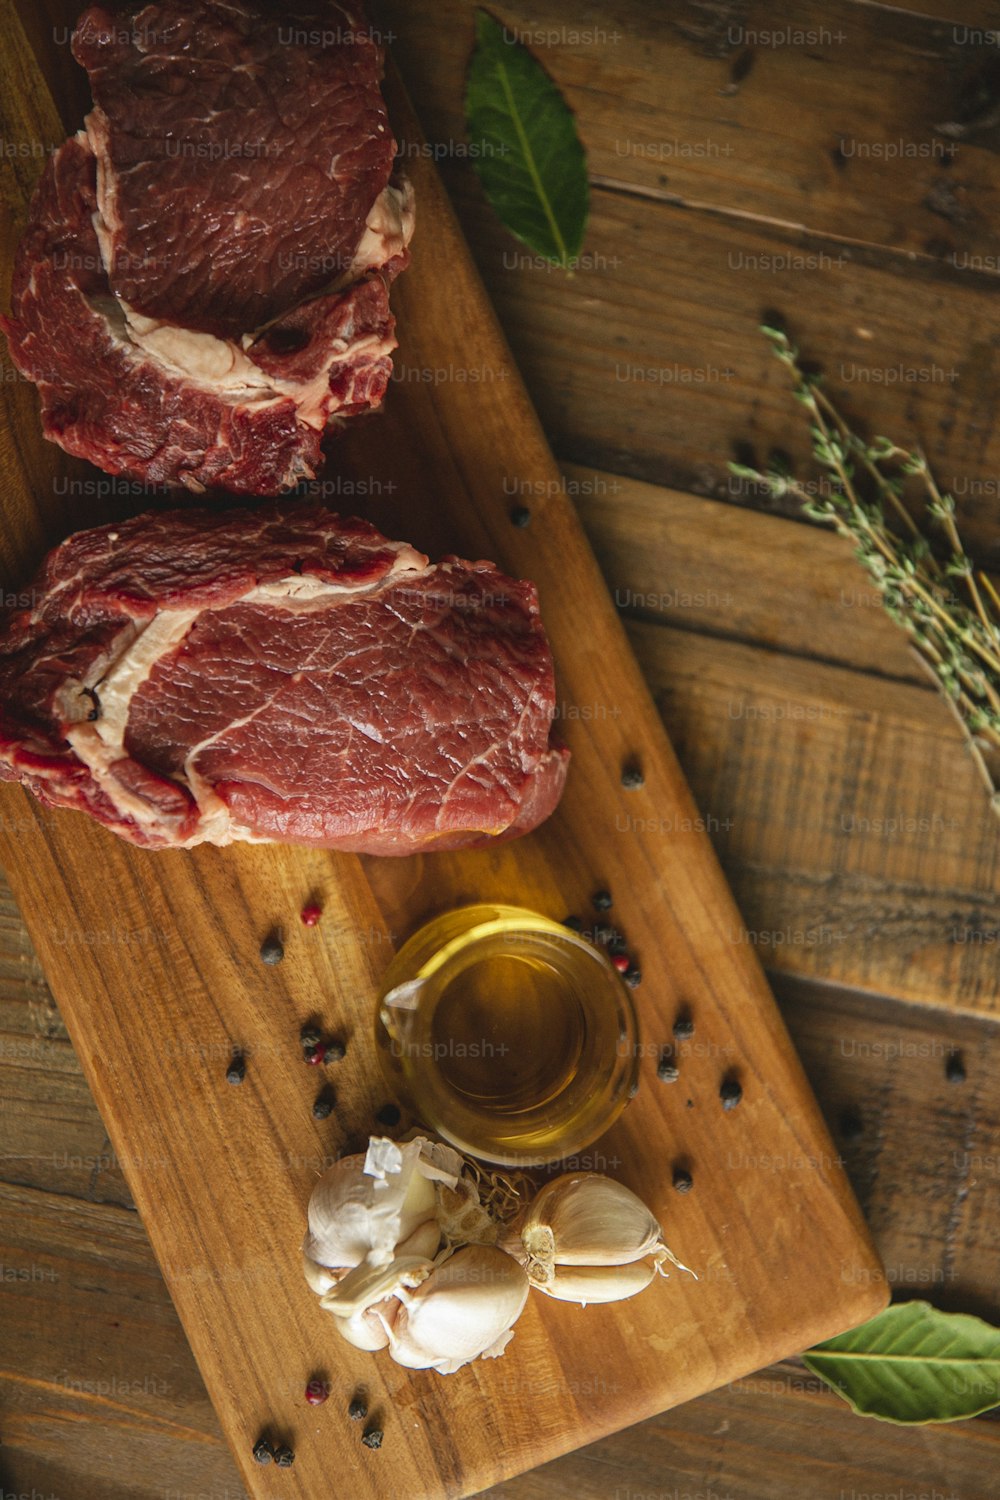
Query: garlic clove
(367, 1284)
(424, 1242)
(320, 1278)
(363, 1206)
(587, 1220)
(369, 1329)
(464, 1309)
(585, 1284)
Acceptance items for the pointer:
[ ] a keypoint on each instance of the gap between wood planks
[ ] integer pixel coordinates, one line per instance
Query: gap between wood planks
(812, 241)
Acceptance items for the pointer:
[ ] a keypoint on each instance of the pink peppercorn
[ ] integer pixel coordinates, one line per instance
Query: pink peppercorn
(315, 1055)
(621, 962)
(317, 1392)
(310, 915)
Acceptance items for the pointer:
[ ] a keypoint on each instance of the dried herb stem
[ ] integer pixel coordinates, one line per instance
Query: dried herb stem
(952, 618)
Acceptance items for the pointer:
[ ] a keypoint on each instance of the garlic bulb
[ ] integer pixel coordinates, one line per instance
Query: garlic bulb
(587, 1220)
(464, 1310)
(365, 1206)
(409, 1254)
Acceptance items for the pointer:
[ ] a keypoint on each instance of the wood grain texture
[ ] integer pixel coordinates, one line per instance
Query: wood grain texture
(650, 362)
(820, 117)
(773, 664)
(221, 1176)
(866, 847)
(88, 1321)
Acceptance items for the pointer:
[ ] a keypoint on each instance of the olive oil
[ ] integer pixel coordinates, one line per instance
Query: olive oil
(507, 1034)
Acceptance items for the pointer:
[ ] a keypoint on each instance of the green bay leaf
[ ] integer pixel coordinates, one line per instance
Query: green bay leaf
(914, 1364)
(525, 145)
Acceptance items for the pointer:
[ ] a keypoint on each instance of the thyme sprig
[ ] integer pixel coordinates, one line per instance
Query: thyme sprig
(951, 614)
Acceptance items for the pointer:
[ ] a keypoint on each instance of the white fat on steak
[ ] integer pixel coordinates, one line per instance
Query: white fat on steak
(116, 680)
(388, 229)
(221, 365)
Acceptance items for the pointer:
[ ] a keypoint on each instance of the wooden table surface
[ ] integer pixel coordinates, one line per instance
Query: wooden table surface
(743, 166)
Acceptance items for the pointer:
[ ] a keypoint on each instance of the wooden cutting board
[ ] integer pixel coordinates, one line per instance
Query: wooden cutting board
(154, 961)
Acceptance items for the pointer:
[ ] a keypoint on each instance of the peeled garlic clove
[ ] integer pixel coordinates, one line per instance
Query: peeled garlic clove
(588, 1220)
(464, 1309)
(363, 1206)
(367, 1284)
(369, 1329)
(586, 1284)
(321, 1278)
(424, 1242)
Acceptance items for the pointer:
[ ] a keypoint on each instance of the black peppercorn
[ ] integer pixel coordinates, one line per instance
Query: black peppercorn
(954, 1069)
(388, 1115)
(683, 1028)
(683, 1181)
(372, 1438)
(852, 1126)
(730, 1093)
(573, 923)
(310, 1035)
(335, 1052)
(284, 1458)
(632, 778)
(262, 1451)
(633, 976)
(358, 1409)
(272, 949)
(323, 1104)
(237, 1070)
(520, 515)
(601, 900)
(667, 1071)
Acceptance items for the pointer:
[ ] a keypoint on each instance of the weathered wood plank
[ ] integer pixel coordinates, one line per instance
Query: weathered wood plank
(823, 117)
(51, 1136)
(99, 1391)
(704, 566)
(971, 14)
(650, 361)
(856, 834)
(922, 1149)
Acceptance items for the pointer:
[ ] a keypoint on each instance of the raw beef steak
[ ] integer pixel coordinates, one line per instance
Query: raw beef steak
(196, 315)
(242, 146)
(284, 674)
